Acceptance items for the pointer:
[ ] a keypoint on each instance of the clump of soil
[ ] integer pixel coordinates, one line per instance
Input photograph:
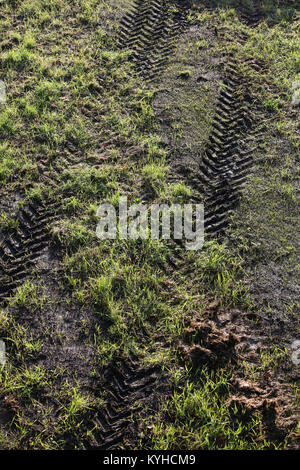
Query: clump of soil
(205, 344)
(270, 400)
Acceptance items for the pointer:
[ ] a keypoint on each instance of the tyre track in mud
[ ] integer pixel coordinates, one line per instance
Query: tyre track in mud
(20, 250)
(128, 387)
(22, 247)
(227, 160)
(150, 31)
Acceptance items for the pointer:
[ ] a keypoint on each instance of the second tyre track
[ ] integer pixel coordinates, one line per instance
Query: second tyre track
(129, 388)
(20, 250)
(150, 31)
(226, 161)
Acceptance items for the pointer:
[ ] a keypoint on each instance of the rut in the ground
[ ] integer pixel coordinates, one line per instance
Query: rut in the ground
(21, 247)
(20, 250)
(227, 160)
(150, 31)
(129, 387)
(252, 13)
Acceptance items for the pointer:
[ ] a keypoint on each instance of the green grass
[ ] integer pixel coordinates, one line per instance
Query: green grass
(197, 416)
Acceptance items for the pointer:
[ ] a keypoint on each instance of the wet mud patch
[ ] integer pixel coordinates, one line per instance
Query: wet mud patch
(73, 358)
(54, 358)
(63, 327)
(9, 205)
(6, 414)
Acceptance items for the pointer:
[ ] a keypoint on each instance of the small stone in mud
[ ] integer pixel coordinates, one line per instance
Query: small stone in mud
(2, 92)
(2, 353)
(295, 348)
(296, 94)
